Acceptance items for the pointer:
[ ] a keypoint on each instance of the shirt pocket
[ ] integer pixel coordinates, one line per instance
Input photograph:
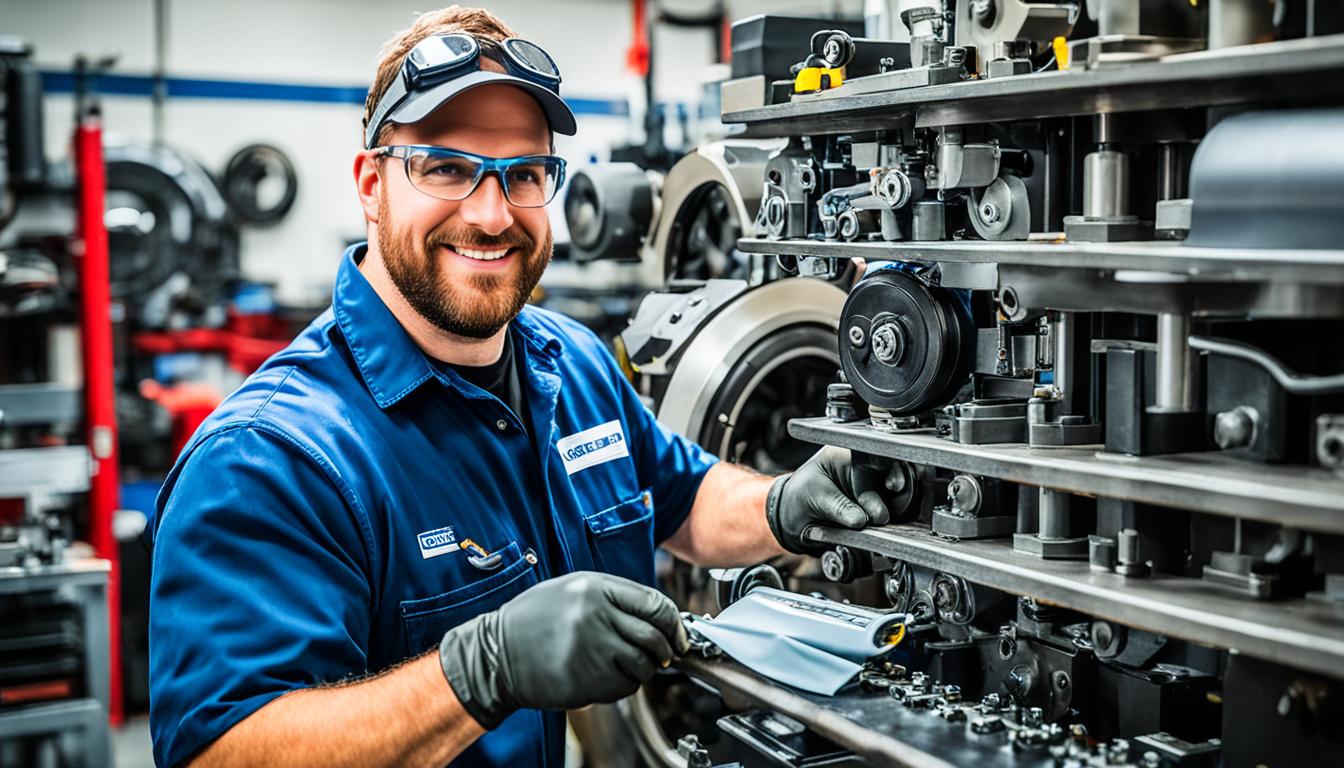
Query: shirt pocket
(621, 538)
(425, 620)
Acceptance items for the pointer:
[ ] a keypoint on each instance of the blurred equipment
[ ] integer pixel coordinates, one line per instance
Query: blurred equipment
(260, 184)
(59, 656)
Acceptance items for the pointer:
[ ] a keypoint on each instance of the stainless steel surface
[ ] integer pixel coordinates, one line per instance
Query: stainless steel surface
(1301, 632)
(1325, 267)
(27, 472)
(1232, 75)
(743, 93)
(733, 331)
(1105, 184)
(1297, 497)
(1175, 364)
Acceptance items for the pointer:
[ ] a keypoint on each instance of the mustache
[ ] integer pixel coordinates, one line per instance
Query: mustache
(477, 240)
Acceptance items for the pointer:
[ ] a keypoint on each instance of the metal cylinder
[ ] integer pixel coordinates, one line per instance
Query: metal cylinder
(1238, 22)
(1054, 511)
(1175, 364)
(1114, 18)
(928, 221)
(1105, 184)
(1172, 172)
(1062, 328)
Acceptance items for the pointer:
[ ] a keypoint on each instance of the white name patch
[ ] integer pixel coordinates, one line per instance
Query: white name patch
(592, 446)
(439, 541)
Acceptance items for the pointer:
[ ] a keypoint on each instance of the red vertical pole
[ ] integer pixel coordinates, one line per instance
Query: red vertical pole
(95, 297)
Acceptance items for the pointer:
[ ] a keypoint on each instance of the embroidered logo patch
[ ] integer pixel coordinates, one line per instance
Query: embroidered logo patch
(439, 541)
(592, 446)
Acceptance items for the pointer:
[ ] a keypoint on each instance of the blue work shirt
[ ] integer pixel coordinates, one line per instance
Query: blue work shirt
(311, 531)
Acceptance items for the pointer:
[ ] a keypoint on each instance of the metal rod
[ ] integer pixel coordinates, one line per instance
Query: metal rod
(1175, 364)
(1061, 335)
(1054, 514)
(1105, 184)
(1290, 380)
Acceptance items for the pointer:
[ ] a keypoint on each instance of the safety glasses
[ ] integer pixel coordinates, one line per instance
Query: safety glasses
(449, 174)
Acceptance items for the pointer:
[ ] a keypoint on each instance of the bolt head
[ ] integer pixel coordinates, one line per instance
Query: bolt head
(856, 335)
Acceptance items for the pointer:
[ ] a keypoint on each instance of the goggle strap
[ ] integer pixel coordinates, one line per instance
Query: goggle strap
(394, 96)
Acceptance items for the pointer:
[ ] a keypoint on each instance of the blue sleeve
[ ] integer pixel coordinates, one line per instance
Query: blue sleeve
(668, 463)
(259, 586)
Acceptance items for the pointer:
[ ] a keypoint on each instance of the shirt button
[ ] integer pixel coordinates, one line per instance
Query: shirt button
(502, 424)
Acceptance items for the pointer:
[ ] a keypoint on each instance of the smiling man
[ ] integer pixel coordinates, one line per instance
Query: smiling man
(427, 527)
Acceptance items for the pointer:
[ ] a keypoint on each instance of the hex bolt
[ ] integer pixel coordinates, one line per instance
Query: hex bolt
(1129, 554)
(856, 336)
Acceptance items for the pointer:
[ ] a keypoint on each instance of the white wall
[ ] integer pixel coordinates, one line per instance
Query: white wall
(335, 43)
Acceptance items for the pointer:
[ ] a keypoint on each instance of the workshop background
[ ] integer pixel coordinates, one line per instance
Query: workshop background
(212, 271)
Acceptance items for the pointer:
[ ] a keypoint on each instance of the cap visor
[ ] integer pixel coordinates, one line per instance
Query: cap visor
(420, 105)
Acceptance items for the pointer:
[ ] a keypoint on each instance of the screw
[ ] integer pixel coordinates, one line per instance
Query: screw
(856, 335)
(1061, 680)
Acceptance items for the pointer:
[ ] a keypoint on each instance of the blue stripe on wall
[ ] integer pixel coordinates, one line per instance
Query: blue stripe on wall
(192, 88)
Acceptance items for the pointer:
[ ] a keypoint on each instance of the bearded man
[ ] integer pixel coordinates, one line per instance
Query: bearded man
(426, 528)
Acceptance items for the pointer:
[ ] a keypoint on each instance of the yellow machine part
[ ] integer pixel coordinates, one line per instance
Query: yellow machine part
(818, 79)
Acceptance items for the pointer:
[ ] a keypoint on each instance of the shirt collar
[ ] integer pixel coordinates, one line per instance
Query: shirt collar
(389, 361)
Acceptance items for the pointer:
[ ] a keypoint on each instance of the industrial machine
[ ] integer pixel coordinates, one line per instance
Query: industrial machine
(1092, 363)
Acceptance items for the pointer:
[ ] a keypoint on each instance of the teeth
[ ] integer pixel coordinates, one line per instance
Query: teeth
(472, 253)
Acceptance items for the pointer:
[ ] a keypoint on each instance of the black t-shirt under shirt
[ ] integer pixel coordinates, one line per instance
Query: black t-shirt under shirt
(500, 378)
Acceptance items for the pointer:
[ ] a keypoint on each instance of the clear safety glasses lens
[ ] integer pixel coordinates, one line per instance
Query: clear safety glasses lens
(529, 182)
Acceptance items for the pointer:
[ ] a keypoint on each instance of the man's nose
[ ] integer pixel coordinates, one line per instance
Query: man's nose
(486, 208)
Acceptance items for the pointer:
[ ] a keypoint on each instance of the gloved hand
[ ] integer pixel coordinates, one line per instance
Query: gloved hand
(579, 639)
(822, 492)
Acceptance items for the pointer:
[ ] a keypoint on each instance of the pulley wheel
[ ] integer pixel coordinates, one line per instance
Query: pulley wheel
(905, 345)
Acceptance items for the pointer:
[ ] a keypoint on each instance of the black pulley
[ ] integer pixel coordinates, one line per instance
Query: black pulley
(905, 345)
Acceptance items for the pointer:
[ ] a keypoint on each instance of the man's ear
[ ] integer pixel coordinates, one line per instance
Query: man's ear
(368, 183)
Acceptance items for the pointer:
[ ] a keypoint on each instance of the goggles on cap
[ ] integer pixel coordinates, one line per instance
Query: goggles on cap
(441, 58)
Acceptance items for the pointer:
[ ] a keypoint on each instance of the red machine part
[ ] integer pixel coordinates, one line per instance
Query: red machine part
(90, 250)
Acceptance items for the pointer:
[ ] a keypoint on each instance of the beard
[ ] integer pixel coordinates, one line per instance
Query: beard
(487, 302)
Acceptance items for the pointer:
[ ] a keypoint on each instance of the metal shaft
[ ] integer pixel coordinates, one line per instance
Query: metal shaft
(1105, 184)
(1062, 328)
(1054, 514)
(1175, 364)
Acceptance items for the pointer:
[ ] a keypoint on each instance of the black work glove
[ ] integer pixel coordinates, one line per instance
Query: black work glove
(822, 492)
(580, 639)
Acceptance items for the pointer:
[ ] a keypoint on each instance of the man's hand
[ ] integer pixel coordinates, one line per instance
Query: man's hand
(821, 492)
(579, 639)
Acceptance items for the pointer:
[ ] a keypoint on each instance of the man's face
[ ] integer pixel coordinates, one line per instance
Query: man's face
(442, 255)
